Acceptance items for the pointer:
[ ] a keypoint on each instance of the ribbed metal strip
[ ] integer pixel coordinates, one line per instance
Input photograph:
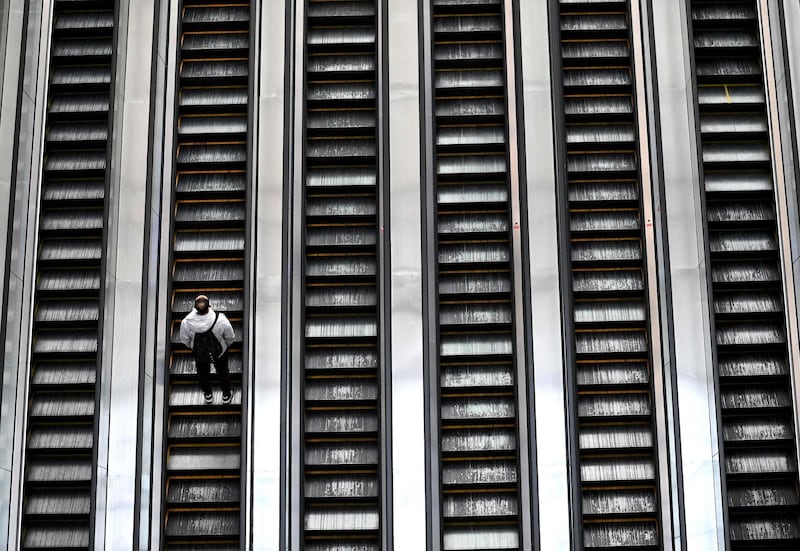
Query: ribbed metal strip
(477, 422)
(202, 500)
(612, 368)
(752, 365)
(60, 444)
(341, 361)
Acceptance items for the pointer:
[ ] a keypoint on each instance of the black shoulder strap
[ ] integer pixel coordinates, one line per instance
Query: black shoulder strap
(216, 317)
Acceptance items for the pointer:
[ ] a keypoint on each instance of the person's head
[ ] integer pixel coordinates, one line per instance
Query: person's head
(201, 304)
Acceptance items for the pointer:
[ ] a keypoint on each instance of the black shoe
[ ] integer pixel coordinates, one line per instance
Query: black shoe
(209, 398)
(227, 398)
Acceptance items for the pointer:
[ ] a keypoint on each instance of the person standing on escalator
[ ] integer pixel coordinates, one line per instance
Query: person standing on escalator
(209, 334)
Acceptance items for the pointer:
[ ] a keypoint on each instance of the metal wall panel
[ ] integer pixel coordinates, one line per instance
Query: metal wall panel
(268, 425)
(409, 504)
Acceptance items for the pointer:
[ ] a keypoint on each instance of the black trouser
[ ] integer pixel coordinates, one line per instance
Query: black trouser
(204, 372)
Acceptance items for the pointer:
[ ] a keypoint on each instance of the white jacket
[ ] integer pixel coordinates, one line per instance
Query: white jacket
(195, 323)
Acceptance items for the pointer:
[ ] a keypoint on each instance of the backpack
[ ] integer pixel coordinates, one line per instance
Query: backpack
(206, 343)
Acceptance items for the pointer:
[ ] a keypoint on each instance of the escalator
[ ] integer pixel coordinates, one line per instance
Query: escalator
(341, 438)
(758, 437)
(477, 424)
(611, 374)
(202, 464)
(60, 462)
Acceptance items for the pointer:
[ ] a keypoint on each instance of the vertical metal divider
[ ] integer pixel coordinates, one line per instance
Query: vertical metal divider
(10, 29)
(128, 252)
(296, 331)
(151, 285)
(407, 404)
(562, 222)
(158, 478)
(272, 144)
(551, 505)
(656, 355)
(784, 233)
(384, 278)
(708, 282)
(249, 306)
(288, 461)
(684, 373)
(524, 366)
(102, 392)
(785, 15)
(669, 392)
(430, 314)
(12, 123)
(31, 219)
